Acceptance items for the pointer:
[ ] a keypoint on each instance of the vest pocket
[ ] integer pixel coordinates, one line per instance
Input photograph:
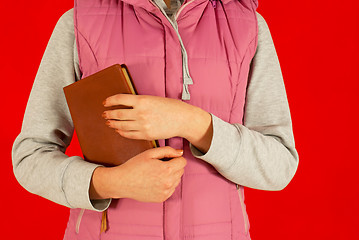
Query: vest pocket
(78, 221)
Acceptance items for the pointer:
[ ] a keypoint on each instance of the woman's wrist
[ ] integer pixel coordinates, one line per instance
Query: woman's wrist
(198, 128)
(99, 184)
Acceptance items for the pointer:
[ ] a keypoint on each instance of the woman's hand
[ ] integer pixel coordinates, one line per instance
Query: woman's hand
(144, 177)
(152, 117)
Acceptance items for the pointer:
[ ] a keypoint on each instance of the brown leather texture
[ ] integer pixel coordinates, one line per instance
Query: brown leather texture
(100, 143)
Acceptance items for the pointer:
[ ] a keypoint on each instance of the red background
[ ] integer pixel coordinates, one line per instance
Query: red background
(317, 45)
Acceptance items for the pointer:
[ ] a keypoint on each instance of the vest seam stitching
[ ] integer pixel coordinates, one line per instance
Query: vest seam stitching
(77, 40)
(76, 36)
(255, 38)
(240, 70)
(230, 209)
(93, 54)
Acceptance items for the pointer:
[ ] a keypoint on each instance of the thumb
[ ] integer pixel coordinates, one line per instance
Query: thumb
(165, 153)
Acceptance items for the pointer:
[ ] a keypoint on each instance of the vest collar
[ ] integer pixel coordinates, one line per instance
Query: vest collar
(146, 4)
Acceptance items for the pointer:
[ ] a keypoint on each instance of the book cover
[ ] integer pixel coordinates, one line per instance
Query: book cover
(99, 143)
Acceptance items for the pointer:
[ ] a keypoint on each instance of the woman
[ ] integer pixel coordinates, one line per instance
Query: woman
(209, 83)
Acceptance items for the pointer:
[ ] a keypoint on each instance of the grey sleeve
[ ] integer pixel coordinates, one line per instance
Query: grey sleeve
(260, 153)
(39, 161)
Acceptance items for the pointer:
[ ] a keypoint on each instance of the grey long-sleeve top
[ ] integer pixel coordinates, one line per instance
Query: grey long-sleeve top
(259, 154)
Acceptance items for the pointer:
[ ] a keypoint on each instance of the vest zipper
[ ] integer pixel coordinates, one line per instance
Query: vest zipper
(164, 222)
(186, 77)
(243, 210)
(79, 218)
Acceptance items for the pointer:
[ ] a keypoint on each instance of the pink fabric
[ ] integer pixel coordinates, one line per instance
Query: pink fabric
(220, 44)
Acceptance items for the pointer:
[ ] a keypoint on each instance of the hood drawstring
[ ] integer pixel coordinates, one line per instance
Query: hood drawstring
(185, 72)
(186, 77)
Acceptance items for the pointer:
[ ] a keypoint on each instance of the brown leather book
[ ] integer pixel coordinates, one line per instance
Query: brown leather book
(100, 143)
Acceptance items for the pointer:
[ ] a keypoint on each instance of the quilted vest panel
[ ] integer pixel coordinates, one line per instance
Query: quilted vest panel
(220, 41)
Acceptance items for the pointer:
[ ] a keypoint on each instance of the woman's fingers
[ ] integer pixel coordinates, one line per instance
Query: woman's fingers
(119, 114)
(123, 125)
(120, 99)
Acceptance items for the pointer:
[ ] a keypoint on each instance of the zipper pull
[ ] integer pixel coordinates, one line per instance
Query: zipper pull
(214, 3)
(104, 221)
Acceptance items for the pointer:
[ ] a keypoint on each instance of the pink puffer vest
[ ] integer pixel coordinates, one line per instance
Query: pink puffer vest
(205, 63)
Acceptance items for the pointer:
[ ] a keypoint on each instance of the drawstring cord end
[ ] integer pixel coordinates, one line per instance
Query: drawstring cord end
(185, 93)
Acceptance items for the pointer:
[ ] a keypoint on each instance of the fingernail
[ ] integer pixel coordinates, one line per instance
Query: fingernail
(104, 102)
(108, 123)
(104, 114)
(179, 151)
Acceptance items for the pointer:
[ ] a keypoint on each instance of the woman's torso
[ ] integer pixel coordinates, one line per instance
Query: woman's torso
(218, 44)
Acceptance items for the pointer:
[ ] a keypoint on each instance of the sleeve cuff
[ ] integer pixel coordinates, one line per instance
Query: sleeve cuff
(100, 204)
(224, 145)
(76, 184)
